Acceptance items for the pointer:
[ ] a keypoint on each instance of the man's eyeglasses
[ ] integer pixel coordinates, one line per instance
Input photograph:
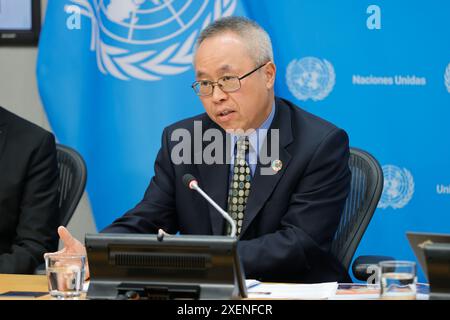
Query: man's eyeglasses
(226, 84)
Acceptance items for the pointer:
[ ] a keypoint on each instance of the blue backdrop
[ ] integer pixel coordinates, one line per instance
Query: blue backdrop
(114, 76)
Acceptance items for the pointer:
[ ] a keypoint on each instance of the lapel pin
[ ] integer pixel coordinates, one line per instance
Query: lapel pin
(277, 165)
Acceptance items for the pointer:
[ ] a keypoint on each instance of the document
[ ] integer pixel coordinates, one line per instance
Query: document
(250, 283)
(316, 291)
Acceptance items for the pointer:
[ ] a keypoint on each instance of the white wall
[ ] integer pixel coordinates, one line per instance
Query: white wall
(19, 94)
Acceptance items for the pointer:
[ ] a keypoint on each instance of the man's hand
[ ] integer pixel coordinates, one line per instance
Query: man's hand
(72, 246)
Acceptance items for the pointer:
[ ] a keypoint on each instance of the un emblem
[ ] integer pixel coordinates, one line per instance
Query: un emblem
(310, 78)
(148, 39)
(447, 77)
(398, 187)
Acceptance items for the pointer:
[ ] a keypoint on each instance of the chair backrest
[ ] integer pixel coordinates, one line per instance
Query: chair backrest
(362, 200)
(72, 181)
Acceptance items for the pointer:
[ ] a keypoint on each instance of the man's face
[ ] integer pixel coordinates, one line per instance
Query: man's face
(247, 108)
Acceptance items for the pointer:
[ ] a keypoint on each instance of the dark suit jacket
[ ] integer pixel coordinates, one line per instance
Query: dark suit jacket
(28, 194)
(290, 218)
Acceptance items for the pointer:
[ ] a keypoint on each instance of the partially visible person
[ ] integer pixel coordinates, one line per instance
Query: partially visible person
(29, 211)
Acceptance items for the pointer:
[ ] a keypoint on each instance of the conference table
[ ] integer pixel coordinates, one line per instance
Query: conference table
(23, 283)
(34, 287)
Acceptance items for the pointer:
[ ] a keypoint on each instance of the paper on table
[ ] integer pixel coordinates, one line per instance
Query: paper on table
(250, 283)
(370, 296)
(317, 291)
(362, 291)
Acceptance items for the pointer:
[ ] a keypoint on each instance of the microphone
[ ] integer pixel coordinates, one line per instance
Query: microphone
(190, 182)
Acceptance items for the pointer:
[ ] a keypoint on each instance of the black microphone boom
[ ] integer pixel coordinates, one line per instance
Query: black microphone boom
(187, 179)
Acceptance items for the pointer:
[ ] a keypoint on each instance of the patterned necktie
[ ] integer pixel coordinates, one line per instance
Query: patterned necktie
(240, 185)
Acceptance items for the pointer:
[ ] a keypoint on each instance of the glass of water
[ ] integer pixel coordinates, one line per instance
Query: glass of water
(65, 274)
(398, 280)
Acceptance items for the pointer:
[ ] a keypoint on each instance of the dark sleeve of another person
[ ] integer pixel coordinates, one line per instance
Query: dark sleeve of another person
(39, 214)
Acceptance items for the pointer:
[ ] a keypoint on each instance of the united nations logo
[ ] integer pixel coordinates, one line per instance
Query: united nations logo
(310, 78)
(447, 77)
(148, 39)
(398, 187)
(277, 165)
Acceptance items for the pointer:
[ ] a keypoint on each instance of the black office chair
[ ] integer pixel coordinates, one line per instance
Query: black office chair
(365, 192)
(72, 181)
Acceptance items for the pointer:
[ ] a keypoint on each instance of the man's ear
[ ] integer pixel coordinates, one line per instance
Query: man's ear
(270, 72)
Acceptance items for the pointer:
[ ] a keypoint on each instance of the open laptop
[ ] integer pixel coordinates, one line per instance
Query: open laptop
(418, 240)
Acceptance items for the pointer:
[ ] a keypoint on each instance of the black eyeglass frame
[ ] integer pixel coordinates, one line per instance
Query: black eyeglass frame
(216, 83)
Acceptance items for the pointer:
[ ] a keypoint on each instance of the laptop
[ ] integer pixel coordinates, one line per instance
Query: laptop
(418, 240)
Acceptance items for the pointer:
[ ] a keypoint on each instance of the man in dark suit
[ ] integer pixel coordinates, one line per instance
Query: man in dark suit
(286, 214)
(28, 194)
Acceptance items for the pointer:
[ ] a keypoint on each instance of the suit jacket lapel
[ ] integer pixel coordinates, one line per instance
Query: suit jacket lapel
(3, 132)
(263, 185)
(214, 178)
(214, 181)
